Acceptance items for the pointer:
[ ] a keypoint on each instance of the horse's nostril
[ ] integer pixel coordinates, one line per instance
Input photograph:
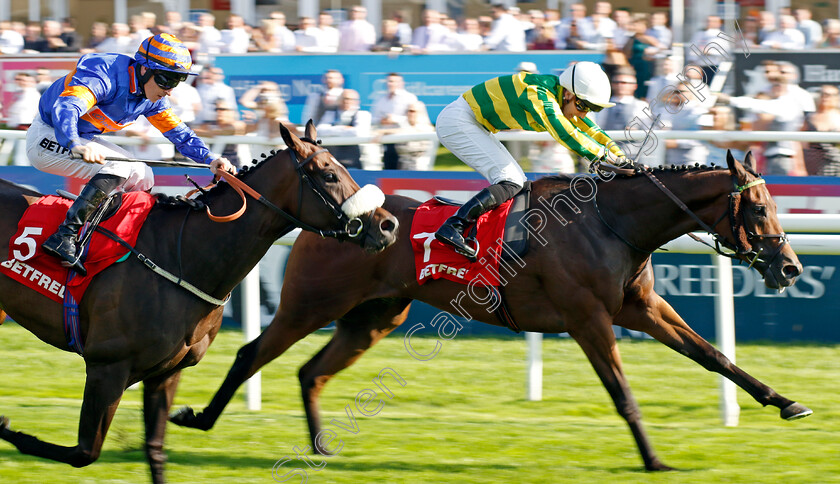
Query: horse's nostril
(387, 225)
(791, 270)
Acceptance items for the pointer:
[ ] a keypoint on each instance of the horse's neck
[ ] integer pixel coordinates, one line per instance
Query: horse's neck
(222, 254)
(650, 218)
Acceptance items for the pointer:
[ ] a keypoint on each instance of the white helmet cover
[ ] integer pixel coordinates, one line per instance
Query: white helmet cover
(589, 82)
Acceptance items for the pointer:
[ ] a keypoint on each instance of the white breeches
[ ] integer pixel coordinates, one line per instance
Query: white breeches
(472, 143)
(47, 155)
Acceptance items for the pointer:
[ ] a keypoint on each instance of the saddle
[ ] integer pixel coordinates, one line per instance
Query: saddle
(123, 214)
(515, 235)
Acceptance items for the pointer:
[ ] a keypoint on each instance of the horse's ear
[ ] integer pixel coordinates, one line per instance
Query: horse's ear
(730, 161)
(290, 138)
(735, 168)
(749, 161)
(309, 131)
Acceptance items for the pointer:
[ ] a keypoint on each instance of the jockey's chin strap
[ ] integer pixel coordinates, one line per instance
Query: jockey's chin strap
(352, 226)
(741, 248)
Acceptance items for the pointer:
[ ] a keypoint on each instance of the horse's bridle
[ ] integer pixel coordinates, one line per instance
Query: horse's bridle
(742, 248)
(349, 231)
(352, 226)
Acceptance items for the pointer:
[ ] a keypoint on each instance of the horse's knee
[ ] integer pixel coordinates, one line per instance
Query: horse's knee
(629, 410)
(83, 458)
(155, 454)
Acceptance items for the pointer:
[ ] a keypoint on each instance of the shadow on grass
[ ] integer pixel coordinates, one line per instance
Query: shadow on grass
(445, 468)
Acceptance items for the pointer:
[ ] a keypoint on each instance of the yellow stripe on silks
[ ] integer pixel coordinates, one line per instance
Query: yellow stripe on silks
(468, 96)
(500, 103)
(584, 142)
(164, 120)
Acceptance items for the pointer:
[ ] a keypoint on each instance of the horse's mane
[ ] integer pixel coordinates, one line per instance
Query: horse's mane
(167, 201)
(25, 189)
(556, 184)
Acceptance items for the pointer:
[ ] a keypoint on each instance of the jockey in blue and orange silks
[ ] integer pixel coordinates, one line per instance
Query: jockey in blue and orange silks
(105, 93)
(557, 105)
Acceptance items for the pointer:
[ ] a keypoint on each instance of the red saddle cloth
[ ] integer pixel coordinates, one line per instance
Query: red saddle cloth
(434, 260)
(29, 265)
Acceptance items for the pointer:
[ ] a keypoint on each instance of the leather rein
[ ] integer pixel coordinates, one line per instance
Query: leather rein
(740, 249)
(352, 226)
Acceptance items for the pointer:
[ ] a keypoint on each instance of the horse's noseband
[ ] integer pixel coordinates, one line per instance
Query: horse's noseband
(353, 227)
(743, 245)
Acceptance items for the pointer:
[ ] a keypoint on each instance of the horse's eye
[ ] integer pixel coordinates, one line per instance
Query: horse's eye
(330, 178)
(760, 210)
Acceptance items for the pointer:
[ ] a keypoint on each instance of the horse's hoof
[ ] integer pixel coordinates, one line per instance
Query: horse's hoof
(658, 466)
(319, 451)
(4, 422)
(184, 416)
(795, 411)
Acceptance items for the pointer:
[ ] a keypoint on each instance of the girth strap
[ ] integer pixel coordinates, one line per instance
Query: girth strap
(163, 272)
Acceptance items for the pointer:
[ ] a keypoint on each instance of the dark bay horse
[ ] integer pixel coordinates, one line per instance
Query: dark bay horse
(587, 268)
(138, 326)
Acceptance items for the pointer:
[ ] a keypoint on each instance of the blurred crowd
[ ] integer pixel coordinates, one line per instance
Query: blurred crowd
(638, 57)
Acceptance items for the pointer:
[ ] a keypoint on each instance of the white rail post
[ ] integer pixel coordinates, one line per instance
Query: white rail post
(535, 366)
(251, 329)
(725, 330)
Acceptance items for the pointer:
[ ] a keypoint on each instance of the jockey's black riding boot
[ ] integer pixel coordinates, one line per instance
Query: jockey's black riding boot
(62, 243)
(452, 230)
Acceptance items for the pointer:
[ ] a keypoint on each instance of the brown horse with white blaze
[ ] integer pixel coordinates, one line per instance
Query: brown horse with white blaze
(586, 270)
(138, 326)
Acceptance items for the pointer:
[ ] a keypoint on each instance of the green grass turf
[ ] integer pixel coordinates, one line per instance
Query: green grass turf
(461, 418)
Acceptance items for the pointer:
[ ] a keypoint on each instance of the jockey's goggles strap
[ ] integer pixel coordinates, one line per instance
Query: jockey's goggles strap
(751, 184)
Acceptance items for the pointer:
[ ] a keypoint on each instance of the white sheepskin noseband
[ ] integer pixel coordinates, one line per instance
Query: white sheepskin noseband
(367, 199)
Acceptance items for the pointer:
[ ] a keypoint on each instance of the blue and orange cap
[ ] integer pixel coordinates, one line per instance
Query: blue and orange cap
(165, 52)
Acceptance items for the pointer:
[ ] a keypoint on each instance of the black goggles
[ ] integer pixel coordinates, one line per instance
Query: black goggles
(585, 106)
(169, 79)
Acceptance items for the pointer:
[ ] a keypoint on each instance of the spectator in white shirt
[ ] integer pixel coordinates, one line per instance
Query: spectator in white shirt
(787, 37)
(326, 99)
(21, 112)
(469, 38)
(119, 42)
(306, 36)
(186, 102)
(811, 29)
(506, 33)
(431, 36)
(389, 111)
(329, 34)
(577, 15)
(11, 42)
(139, 32)
(710, 58)
(356, 34)
(284, 38)
(602, 23)
(623, 27)
(347, 120)
(659, 29)
(798, 95)
(209, 37)
(235, 39)
(212, 88)
(767, 25)
(404, 31)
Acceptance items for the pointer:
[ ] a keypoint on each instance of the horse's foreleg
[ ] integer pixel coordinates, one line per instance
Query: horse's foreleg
(158, 394)
(103, 389)
(355, 333)
(597, 340)
(274, 341)
(654, 316)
